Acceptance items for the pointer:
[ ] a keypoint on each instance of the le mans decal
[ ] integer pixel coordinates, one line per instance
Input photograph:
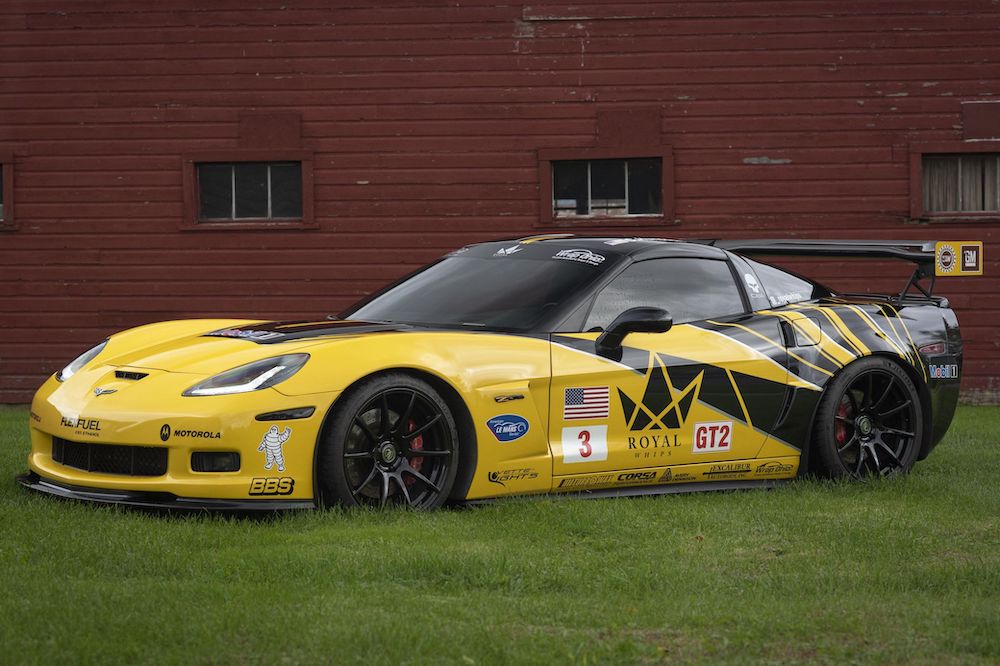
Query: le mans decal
(508, 427)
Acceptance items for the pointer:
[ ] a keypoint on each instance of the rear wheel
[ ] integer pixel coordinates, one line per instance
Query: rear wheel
(869, 421)
(392, 441)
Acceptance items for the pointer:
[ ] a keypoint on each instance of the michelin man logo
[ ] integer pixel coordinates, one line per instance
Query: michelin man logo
(271, 446)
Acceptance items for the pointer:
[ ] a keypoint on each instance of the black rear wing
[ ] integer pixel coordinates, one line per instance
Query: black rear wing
(932, 258)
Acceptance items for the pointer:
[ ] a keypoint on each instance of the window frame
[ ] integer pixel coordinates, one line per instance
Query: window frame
(587, 308)
(192, 220)
(917, 153)
(547, 156)
(7, 223)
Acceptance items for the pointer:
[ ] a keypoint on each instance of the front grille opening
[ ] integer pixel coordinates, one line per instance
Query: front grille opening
(128, 374)
(110, 458)
(215, 461)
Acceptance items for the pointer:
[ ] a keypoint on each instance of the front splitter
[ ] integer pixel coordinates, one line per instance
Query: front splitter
(150, 500)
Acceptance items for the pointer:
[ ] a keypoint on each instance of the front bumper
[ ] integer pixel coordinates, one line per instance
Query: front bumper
(156, 500)
(139, 444)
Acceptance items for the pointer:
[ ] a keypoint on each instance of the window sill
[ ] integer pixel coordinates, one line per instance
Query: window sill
(991, 217)
(609, 221)
(251, 225)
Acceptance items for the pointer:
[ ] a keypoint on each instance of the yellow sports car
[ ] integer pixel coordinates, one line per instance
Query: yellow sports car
(550, 364)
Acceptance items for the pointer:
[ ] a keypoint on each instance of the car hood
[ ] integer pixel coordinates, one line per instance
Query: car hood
(208, 352)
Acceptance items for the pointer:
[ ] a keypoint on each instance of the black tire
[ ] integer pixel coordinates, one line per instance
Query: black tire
(870, 421)
(391, 440)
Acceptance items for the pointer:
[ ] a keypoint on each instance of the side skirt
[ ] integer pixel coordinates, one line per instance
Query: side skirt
(636, 491)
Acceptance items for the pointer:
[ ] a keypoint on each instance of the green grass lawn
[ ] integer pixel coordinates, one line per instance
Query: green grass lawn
(900, 570)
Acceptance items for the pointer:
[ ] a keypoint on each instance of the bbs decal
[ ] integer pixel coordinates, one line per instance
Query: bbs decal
(272, 485)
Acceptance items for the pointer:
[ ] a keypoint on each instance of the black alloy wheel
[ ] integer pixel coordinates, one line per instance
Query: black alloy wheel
(393, 441)
(869, 421)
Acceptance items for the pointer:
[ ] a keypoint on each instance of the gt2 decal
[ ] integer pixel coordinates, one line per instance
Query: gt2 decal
(272, 485)
(585, 444)
(271, 446)
(713, 437)
(508, 427)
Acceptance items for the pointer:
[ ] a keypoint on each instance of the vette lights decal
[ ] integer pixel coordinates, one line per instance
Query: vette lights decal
(589, 402)
(585, 444)
(508, 427)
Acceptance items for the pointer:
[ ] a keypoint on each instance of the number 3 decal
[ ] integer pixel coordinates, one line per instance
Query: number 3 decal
(586, 444)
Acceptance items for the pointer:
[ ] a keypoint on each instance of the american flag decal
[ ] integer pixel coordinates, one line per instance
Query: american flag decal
(590, 402)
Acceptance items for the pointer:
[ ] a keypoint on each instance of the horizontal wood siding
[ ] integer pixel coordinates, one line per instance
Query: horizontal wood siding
(425, 119)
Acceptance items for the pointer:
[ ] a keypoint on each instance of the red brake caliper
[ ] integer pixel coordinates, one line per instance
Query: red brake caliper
(839, 429)
(417, 444)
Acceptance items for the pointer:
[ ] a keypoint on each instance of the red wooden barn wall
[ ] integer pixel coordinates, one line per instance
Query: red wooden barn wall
(425, 120)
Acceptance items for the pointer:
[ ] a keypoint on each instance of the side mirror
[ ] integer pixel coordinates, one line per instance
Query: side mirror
(633, 320)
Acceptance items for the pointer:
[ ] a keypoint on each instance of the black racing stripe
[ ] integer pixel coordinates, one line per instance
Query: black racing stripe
(862, 328)
(636, 359)
(717, 392)
(897, 329)
(763, 399)
(829, 328)
(267, 333)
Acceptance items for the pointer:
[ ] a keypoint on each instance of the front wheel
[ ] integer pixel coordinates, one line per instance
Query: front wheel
(392, 441)
(870, 421)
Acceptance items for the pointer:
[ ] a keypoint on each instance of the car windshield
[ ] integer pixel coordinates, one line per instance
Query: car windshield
(510, 293)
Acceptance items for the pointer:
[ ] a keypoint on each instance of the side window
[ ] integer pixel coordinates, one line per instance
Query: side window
(690, 289)
(783, 288)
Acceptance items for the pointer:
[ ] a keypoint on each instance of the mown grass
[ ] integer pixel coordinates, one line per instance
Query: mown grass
(900, 570)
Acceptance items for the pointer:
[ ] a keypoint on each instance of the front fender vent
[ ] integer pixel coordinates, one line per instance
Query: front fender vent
(128, 374)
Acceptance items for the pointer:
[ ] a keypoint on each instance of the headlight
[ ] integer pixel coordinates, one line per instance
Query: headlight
(80, 361)
(251, 377)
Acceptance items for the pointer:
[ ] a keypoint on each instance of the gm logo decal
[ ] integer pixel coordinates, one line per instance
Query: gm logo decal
(508, 427)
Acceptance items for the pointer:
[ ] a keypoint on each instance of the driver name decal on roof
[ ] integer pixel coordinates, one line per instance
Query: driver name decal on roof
(581, 255)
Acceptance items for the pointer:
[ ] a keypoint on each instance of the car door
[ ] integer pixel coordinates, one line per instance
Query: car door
(707, 390)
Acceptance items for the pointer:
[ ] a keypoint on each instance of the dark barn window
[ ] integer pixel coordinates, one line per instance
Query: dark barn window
(961, 183)
(607, 188)
(250, 191)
